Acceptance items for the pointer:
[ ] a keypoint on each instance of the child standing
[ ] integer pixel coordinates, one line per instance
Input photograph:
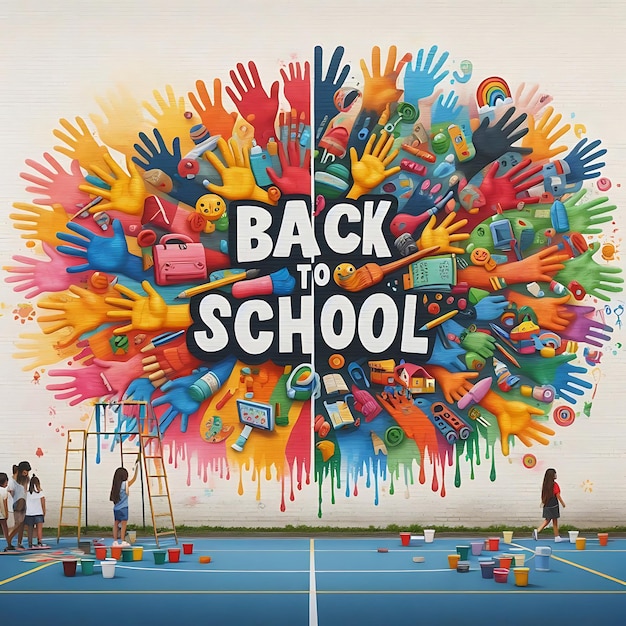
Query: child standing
(119, 497)
(35, 512)
(17, 489)
(550, 499)
(4, 501)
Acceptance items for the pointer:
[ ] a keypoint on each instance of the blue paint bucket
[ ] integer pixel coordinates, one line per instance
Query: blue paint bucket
(542, 558)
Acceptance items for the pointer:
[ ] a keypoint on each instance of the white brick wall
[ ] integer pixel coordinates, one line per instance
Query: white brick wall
(56, 59)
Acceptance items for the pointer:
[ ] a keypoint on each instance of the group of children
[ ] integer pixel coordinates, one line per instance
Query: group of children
(27, 504)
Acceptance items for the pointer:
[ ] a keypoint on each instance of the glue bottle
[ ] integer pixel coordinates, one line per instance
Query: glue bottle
(208, 384)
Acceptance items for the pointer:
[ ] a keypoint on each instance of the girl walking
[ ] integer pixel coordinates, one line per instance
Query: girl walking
(550, 499)
(35, 513)
(119, 497)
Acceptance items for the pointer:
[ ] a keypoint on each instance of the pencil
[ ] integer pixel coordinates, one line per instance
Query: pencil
(509, 356)
(439, 320)
(215, 284)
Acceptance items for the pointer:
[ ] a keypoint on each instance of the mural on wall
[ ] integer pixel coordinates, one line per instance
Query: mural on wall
(420, 277)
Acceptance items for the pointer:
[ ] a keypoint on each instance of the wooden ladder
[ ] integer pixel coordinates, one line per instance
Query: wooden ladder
(72, 494)
(151, 447)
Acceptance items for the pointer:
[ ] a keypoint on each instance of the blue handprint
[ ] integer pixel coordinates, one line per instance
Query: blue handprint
(445, 112)
(105, 254)
(421, 79)
(566, 382)
(579, 161)
(325, 88)
(447, 357)
(158, 157)
(490, 307)
(178, 397)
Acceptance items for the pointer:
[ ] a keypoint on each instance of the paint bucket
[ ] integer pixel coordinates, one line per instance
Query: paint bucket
(519, 559)
(116, 552)
(187, 548)
(505, 561)
(85, 546)
(507, 536)
(429, 535)
(405, 539)
(486, 568)
(463, 552)
(521, 576)
(127, 555)
(159, 557)
(580, 543)
(542, 558)
(173, 555)
(86, 566)
(108, 568)
(131, 536)
(501, 574)
(463, 566)
(137, 553)
(453, 560)
(493, 544)
(573, 535)
(69, 567)
(101, 552)
(477, 548)
(603, 538)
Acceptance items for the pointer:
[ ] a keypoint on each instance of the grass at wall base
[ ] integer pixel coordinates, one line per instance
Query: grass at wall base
(195, 531)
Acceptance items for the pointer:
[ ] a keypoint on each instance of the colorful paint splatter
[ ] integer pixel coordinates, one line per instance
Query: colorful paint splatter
(389, 272)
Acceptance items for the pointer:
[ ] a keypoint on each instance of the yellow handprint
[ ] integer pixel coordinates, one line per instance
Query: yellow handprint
(539, 139)
(369, 171)
(516, 418)
(42, 223)
(380, 89)
(146, 313)
(82, 313)
(237, 177)
(127, 193)
(42, 351)
(123, 120)
(170, 120)
(443, 235)
(82, 146)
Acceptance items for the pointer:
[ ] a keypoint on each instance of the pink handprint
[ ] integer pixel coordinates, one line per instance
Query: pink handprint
(42, 276)
(55, 184)
(85, 383)
(253, 102)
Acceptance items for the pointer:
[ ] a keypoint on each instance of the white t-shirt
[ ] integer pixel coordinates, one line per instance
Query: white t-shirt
(33, 503)
(4, 492)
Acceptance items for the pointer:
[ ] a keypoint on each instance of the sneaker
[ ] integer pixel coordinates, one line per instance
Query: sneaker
(535, 534)
(558, 539)
(43, 546)
(9, 548)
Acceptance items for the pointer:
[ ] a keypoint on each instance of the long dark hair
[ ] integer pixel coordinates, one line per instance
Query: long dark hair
(35, 485)
(121, 474)
(547, 491)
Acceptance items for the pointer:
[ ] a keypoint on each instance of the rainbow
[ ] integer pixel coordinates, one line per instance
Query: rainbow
(491, 91)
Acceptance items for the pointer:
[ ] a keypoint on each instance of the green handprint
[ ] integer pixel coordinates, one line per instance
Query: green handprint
(595, 278)
(583, 218)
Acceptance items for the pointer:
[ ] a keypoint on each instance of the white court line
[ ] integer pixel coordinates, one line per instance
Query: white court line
(312, 587)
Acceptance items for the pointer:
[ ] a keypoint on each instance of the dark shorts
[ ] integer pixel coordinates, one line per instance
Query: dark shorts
(31, 520)
(121, 515)
(551, 512)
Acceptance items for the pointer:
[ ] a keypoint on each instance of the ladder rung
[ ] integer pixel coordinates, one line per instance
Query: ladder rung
(75, 449)
(158, 456)
(162, 515)
(73, 469)
(70, 506)
(70, 487)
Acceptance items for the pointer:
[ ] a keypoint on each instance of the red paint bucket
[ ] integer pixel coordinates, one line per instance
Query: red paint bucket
(173, 555)
(501, 574)
(493, 544)
(603, 538)
(187, 548)
(69, 567)
(405, 539)
(101, 553)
